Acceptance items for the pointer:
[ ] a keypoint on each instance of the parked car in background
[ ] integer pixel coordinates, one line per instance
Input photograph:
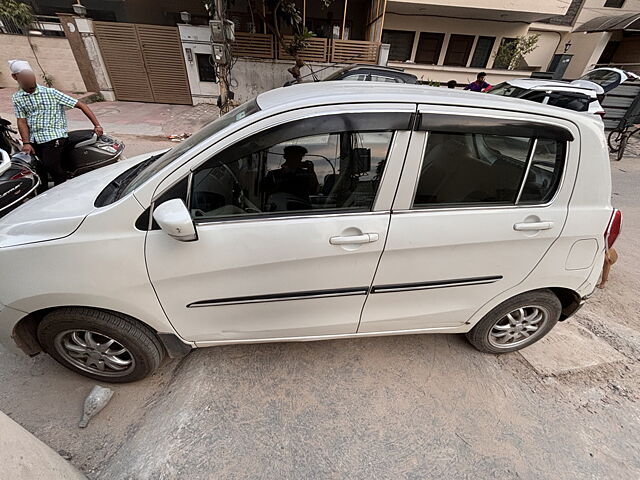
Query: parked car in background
(555, 93)
(368, 73)
(372, 73)
(581, 95)
(314, 212)
(607, 78)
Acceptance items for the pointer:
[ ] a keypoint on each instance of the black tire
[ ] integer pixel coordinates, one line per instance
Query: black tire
(614, 138)
(546, 301)
(141, 347)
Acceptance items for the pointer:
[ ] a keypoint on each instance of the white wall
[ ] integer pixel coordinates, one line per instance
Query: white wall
(548, 43)
(552, 7)
(55, 56)
(249, 77)
(586, 48)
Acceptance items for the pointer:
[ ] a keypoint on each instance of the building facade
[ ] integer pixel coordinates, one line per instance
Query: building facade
(454, 40)
(437, 40)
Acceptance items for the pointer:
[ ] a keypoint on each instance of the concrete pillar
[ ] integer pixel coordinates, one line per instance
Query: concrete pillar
(24, 457)
(383, 54)
(79, 51)
(85, 27)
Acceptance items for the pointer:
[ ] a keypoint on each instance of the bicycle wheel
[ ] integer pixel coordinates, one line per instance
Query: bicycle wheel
(624, 142)
(614, 138)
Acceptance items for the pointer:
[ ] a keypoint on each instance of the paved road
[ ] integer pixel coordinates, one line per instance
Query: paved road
(400, 407)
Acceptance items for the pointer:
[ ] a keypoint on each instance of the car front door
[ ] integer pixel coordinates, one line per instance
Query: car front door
(291, 222)
(482, 197)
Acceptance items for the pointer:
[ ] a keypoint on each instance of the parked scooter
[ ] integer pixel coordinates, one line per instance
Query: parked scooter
(19, 178)
(7, 142)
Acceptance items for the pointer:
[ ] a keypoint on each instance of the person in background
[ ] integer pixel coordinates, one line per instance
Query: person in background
(479, 85)
(452, 84)
(42, 122)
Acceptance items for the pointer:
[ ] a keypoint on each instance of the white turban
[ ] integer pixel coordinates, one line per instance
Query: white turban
(18, 66)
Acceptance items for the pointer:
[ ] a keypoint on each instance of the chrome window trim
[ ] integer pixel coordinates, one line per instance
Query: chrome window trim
(270, 218)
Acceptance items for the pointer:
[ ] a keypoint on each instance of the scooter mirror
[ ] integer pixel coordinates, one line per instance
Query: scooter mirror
(174, 219)
(5, 161)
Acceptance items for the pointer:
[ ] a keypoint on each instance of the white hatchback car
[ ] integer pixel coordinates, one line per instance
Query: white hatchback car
(317, 211)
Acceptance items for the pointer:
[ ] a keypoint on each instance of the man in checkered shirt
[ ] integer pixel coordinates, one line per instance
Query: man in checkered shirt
(42, 121)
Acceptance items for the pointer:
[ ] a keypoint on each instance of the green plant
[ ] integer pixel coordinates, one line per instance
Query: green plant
(511, 52)
(16, 12)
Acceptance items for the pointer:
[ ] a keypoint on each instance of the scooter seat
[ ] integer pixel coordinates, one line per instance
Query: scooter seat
(77, 136)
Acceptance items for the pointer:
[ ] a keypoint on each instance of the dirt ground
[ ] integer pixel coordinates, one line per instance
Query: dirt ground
(422, 406)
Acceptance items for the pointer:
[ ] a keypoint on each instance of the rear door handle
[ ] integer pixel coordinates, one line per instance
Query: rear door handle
(354, 239)
(533, 226)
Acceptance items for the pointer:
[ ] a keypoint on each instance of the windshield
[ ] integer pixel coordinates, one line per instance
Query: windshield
(603, 77)
(336, 75)
(151, 168)
(507, 90)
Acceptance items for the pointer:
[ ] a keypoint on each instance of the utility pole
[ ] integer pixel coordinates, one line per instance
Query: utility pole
(221, 37)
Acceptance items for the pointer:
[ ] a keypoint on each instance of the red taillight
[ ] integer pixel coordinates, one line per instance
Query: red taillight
(614, 228)
(601, 113)
(20, 174)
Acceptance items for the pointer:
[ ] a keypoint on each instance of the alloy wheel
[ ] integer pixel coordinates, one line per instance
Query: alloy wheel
(94, 352)
(520, 326)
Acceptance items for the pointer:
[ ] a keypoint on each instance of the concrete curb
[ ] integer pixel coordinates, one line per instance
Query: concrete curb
(24, 457)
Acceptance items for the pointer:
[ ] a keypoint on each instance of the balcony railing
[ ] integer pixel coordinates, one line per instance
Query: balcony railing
(345, 51)
(255, 45)
(42, 25)
(260, 45)
(317, 50)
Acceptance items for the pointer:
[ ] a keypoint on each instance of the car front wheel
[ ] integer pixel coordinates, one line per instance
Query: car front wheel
(517, 322)
(101, 345)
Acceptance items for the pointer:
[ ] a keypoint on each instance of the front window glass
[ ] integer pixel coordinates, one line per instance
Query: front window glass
(333, 171)
(149, 170)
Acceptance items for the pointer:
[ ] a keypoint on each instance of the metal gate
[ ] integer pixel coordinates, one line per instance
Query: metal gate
(617, 102)
(144, 62)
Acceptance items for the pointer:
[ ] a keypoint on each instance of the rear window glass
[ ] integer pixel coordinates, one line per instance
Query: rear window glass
(579, 103)
(467, 169)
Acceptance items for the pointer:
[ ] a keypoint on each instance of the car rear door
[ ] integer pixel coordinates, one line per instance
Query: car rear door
(466, 226)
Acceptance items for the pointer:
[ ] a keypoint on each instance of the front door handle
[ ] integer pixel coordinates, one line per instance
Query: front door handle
(354, 239)
(532, 226)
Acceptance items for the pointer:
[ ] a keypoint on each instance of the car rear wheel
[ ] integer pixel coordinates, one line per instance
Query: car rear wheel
(517, 322)
(101, 345)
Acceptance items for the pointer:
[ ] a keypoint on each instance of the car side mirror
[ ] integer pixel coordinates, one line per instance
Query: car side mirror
(174, 219)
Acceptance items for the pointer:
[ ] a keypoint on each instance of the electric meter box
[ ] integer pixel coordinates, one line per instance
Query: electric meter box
(219, 55)
(217, 33)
